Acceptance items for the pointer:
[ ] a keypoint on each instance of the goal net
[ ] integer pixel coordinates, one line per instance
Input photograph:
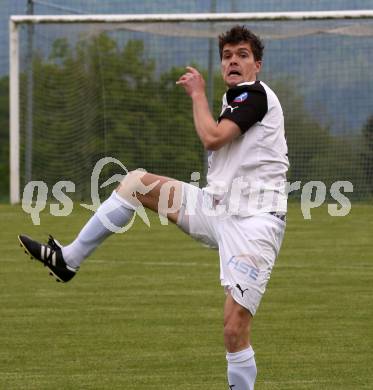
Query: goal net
(94, 90)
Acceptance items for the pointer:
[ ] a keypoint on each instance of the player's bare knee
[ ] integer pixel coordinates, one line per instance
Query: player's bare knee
(237, 327)
(232, 337)
(131, 184)
(231, 333)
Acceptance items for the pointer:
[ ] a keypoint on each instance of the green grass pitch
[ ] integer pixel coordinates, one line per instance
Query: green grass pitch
(145, 311)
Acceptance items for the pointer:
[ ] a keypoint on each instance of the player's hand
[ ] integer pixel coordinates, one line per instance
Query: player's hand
(192, 81)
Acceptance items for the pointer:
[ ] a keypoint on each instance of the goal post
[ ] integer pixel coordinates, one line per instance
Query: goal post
(14, 114)
(146, 23)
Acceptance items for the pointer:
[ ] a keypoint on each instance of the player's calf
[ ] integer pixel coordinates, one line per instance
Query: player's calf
(241, 368)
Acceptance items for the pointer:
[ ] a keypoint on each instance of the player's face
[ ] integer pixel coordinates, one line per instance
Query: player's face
(238, 64)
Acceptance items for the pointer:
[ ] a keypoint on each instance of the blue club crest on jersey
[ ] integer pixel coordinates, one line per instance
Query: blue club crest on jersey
(241, 98)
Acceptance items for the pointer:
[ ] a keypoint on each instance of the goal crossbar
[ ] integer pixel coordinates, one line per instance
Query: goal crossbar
(195, 17)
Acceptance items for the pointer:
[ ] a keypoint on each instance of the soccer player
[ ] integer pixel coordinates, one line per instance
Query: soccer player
(241, 211)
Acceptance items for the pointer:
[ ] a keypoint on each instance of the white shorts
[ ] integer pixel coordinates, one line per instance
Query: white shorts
(248, 246)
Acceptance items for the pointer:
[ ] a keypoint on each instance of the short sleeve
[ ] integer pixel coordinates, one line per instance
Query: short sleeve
(247, 105)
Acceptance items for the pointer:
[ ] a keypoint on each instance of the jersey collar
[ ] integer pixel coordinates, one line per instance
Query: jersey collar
(246, 83)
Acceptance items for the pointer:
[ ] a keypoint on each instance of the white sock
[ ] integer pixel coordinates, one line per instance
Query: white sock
(241, 369)
(112, 215)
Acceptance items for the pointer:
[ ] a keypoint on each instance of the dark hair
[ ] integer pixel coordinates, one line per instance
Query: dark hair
(239, 34)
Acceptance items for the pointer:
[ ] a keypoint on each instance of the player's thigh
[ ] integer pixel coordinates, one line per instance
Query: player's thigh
(158, 193)
(193, 218)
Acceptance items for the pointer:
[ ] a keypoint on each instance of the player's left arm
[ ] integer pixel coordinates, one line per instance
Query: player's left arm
(213, 135)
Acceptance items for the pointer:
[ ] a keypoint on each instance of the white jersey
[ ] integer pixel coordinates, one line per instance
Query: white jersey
(247, 176)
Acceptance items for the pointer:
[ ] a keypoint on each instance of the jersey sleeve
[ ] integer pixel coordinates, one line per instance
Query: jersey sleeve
(247, 105)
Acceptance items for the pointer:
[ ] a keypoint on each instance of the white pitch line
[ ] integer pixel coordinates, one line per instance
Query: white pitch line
(316, 382)
(204, 264)
(156, 263)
